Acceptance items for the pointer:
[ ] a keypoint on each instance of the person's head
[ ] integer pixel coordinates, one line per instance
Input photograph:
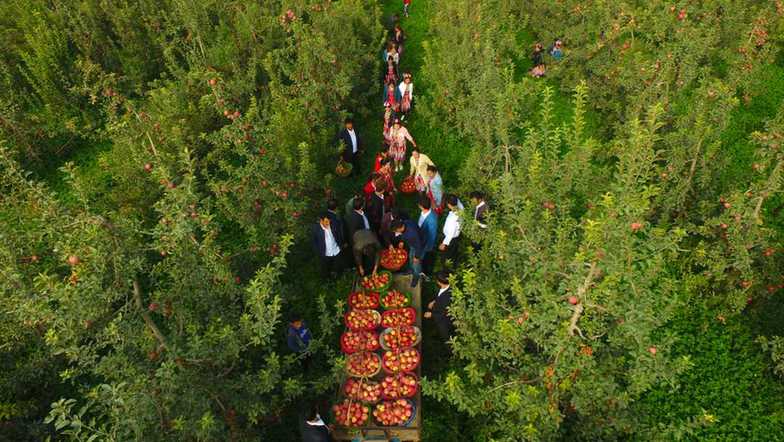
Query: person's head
(359, 202)
(295, 320)
(312, 413)
(424, 203)
(385, 163)
(538, 47)
(397, 28)
(332, 204)
(432, 171)
(397, 123)
(397, 226)
(349, 123)
(451, 201)
(323, 219)
(442, 278)
(380, 185)
(558, 43)
(415, 153)
(407, 77)
(390, 46)
(391, 88)
(384, 154)
(371, 249)
(477, 197)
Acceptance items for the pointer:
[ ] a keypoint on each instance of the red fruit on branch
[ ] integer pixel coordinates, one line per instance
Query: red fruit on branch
(769, 251)
(652, 350)
(213, 81)
(148, 167)
(682, 14)
(635, 226)
(723, 226)
(34, 258)
(73, 260)
(573, 300)
(153, 306)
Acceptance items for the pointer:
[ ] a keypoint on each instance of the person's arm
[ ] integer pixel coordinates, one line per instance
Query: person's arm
(358, 258)
(412, 169)
(409, 137)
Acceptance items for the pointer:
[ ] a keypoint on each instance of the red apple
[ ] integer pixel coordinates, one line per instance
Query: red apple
(148, 167)
(213, 81)
(73, 260)
(652, 350)
(573, 300)
(636, 226)
(153, 306)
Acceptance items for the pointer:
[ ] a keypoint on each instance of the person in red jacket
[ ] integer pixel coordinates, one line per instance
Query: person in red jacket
(406, 6)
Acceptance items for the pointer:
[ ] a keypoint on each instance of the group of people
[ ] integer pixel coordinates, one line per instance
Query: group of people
(373, 219)
(537, 57)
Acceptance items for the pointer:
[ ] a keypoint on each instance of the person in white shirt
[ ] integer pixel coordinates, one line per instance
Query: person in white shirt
(451, 241)
(326, 243)
(314, 429)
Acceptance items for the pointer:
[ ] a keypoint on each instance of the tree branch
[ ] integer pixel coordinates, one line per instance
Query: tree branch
(578, 309)
(137, 296)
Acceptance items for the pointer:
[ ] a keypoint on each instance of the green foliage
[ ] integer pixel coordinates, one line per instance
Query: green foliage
(725, 389)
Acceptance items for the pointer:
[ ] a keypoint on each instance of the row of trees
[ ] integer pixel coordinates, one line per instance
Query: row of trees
(152, 299)
(600, 233)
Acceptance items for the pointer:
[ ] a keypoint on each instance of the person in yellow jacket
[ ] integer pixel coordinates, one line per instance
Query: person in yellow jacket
(419, 163)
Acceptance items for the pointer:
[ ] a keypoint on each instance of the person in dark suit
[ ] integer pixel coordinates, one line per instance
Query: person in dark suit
(326, 243)
(377, 206)
(336, 220)
(480, 209)
(352, 145)
(438, 309)
(313, 427)
(407, 235)
(428, 228)
(357, 219)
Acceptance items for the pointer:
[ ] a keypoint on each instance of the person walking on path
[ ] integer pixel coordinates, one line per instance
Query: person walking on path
(419, 163)
(451, 230)
(326, 243)
(406, 7)
(399, 37)
(390, 73)
(399, 135)
(428, 229)
(352, 145)
(366, 251)
(438, 309)
(435, 188)
(389, 117)
(407, 235)
(406, 94)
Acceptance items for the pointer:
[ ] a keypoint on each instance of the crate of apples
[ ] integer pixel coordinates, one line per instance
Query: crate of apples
(362, 319)
(400, 361)
(362, 390)
(398, 317)
(399, 338)
(350, 413)
(408, 185)
(377, 282)
(363, 364)
(395, 299)
(395, 413)
(360, 340)
(403, 385)
(363, 300)
(393, 258)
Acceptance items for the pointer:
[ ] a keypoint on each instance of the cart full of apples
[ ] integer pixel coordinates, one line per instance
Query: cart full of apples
(382, 348)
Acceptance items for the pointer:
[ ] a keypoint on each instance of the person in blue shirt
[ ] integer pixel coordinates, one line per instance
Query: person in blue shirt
(407, 235)
(298, 337)
(428, 228)
(556, 50)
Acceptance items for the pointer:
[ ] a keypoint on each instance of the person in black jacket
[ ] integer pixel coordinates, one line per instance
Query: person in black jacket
(352, 145)
(438, 309)
(326, 243)
(337, 221)
(357, 219)
(313, 427)
(377, 206)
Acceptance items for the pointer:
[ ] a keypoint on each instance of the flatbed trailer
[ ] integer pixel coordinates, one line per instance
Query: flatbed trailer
(372, 432)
